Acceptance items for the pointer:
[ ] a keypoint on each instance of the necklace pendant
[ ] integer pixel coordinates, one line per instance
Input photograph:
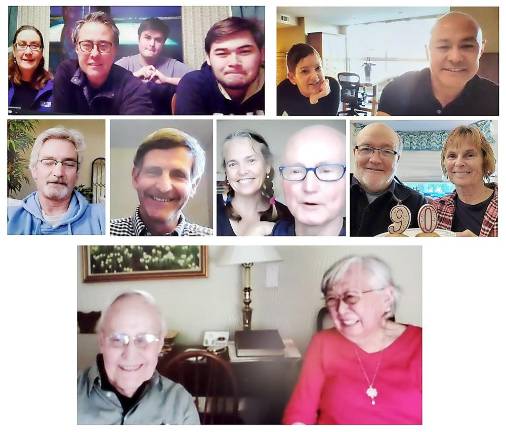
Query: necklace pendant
(372, 393)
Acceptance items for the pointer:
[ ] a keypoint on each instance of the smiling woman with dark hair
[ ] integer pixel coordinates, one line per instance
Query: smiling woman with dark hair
(30, 85)
(368, 369)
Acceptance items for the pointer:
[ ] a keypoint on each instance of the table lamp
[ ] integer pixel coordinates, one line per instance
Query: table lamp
(246, 256)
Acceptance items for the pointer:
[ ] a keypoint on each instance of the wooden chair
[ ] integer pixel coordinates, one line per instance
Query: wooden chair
(212, 383)
(173, 104)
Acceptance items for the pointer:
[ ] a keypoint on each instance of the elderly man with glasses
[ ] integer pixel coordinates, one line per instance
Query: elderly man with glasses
(55, 207)
(123, 387)
(314, 186)
(93, 84)
(374, 187)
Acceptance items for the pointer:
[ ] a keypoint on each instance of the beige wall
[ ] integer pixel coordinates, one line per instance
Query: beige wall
(126, 135)
(286, 37)
(94, 137)
(192, 306)
(488, 17)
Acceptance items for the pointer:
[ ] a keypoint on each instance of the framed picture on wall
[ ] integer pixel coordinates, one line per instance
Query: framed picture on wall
(117, 263)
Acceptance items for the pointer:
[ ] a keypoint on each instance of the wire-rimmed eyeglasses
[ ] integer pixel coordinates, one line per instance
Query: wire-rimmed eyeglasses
(324, 172)
(141, 340)
(367, 151)
(351, 298)
(53, 163)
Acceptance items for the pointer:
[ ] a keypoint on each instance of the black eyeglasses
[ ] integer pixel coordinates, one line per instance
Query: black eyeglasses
(53, 163)
(367, 151)
(103, 47)
(23, 46)
(142, 340)
(324, 172)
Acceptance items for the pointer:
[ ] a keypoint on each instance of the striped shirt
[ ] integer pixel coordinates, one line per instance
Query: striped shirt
(134, 226)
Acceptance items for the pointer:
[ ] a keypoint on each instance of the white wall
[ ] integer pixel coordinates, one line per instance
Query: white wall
(214, 303)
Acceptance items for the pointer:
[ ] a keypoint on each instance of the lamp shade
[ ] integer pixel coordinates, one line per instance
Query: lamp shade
(233, 255)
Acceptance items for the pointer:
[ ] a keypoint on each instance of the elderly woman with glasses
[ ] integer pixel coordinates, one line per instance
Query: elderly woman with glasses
(468, 161)
(30, 85)
(368, 369)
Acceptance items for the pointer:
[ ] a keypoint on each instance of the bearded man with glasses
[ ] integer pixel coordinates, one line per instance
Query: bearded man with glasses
(55, 207)
(93, 84)
(314, 186)
(123, 387)
(374, 188)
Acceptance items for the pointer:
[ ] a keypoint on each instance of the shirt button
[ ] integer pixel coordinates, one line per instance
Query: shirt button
(439, 111)
(108, 394)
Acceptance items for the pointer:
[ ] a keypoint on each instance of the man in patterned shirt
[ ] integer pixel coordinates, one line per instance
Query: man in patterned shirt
(167, 169)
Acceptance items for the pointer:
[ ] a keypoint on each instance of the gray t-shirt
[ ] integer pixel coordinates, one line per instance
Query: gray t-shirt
(168, 66)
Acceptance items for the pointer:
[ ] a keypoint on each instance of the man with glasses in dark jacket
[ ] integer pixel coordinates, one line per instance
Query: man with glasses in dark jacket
(94, 84)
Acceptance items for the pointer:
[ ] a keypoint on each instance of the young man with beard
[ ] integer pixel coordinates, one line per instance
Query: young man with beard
(56, 208)
(231, 81)
(167, 169)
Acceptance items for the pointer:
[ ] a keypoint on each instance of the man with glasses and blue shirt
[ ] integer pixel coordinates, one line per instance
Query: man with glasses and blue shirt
(56, 208)
(93, 84)
(374, 188)
(314, 164)
(123, 387)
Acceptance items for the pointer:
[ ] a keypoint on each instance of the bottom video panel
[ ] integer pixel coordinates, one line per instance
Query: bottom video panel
(251, 334)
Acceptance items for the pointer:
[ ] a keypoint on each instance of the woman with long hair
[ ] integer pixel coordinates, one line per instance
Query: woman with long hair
(248, 207)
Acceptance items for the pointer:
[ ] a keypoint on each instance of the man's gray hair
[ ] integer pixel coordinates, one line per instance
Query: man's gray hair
(146, 297)
(377, 268)
(98, 17)
(59, 132)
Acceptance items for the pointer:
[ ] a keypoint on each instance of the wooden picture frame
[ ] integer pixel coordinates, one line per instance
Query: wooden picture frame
(119, 263)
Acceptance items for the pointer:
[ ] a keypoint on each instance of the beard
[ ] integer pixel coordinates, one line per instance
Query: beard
(57, 191)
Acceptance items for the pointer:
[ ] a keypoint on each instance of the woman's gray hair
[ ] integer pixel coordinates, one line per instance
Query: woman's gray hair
(148, 298)
(58, 132)
(253, 137)
(377, 268)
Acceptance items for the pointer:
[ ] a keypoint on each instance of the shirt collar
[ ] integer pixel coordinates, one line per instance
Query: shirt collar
(141, 229)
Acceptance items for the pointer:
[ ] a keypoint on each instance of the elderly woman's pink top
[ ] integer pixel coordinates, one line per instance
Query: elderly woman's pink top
(332, 386)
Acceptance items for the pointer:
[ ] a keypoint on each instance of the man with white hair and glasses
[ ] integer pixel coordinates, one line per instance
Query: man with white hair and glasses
(93, 84)
(314, 186)
(56, 207)
(123, 387)
(374, 187)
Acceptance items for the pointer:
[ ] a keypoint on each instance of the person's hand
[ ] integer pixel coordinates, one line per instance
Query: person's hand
(466, 233)
(145, 73)
(324, 91)
(160, 78)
